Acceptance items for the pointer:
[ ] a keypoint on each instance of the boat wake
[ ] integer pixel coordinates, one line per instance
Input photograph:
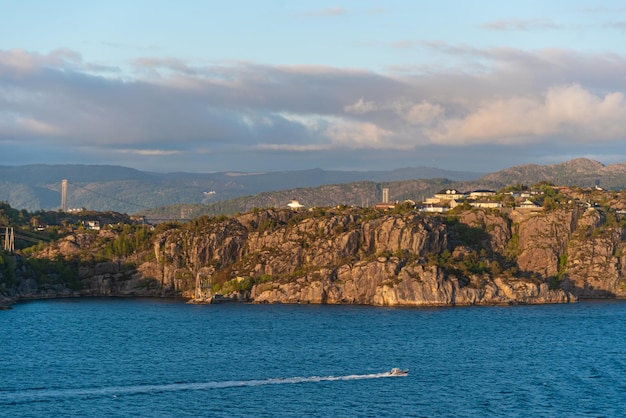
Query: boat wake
(38, 395)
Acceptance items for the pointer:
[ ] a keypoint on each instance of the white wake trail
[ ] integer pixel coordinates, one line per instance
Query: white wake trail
(36, 395)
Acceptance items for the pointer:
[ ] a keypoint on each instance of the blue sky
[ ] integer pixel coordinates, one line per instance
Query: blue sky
(211, 86)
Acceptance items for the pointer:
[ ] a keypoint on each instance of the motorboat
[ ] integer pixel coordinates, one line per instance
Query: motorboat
(398, 372)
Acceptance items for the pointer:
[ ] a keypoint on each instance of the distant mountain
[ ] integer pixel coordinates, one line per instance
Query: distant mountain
(365, 193)
(181, 195)
(579, 172)
(123, 189)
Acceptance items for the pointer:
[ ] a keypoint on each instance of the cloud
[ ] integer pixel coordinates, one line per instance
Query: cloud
(294, 147)
(148, 152)
(19, 60)
(329, 12)
(569, 113)
(520, 25)
(177, 112)
(423, 113)
(360, 107)
(350, 134)
(153, 64)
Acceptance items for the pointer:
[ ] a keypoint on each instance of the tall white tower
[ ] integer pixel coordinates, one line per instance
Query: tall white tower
(385, 195)
(64, 195)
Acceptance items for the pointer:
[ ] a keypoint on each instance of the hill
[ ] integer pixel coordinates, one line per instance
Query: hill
(335, 256)
(579, 172)
(122, 189)
(185, 195)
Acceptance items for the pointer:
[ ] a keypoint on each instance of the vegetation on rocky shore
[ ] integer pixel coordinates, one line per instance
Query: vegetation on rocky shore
(328, 255)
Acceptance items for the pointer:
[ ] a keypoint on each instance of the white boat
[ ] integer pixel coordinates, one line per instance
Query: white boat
(398, 372)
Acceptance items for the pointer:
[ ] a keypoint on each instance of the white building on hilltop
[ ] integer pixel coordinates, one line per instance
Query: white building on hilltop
(450, 194)
(295, 205)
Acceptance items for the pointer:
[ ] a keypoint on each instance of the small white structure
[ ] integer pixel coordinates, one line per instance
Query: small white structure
(529, 207)
(432, 201)
(295, 205)
(486, 204)
(528, 204)
(449, 195)
(476, 194)
(93, 225)
(434, 209)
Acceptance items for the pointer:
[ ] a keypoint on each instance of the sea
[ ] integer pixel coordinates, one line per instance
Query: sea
(110, 357)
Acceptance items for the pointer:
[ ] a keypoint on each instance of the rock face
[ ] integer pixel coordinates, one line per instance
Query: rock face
(56, 272)
(352, 257)
(596, 266)
(543, 240)
(414, 286)
(358, 256)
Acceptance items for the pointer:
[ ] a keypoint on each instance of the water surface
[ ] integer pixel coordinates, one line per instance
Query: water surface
(155, 357)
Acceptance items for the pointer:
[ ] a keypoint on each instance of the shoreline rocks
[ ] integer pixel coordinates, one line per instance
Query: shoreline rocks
(356, 256)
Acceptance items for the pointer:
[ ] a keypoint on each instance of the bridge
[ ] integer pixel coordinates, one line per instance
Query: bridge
(9, 234)
(9, 239)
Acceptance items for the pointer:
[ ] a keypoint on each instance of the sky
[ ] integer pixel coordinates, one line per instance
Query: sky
(272, 85)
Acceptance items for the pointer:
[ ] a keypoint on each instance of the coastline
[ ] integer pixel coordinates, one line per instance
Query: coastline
(7, 303)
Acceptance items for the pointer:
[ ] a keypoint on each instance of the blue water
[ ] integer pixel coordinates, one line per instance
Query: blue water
(151, 357)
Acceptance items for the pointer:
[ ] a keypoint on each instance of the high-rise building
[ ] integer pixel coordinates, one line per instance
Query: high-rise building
(64, 195)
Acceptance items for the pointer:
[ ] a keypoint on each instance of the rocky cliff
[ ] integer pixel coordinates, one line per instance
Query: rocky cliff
(358, 256)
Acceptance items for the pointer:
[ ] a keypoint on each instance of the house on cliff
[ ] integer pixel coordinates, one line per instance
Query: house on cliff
(485, 204)
(445, 198)
(295, 205)
(528, 204)
(449, 194)
(481, 193)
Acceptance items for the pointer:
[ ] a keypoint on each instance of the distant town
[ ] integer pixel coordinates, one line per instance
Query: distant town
(517, 202)
(520, 200)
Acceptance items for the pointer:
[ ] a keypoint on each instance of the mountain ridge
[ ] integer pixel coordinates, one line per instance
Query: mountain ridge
(578, 172)
(123, 189)
(180, 194)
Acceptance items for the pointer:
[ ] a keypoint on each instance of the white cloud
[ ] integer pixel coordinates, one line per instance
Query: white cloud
(569, 112)
(21, 60)
(338, 132)
(361, 107)
(179, 109)
(351, 134)
(423, 113)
